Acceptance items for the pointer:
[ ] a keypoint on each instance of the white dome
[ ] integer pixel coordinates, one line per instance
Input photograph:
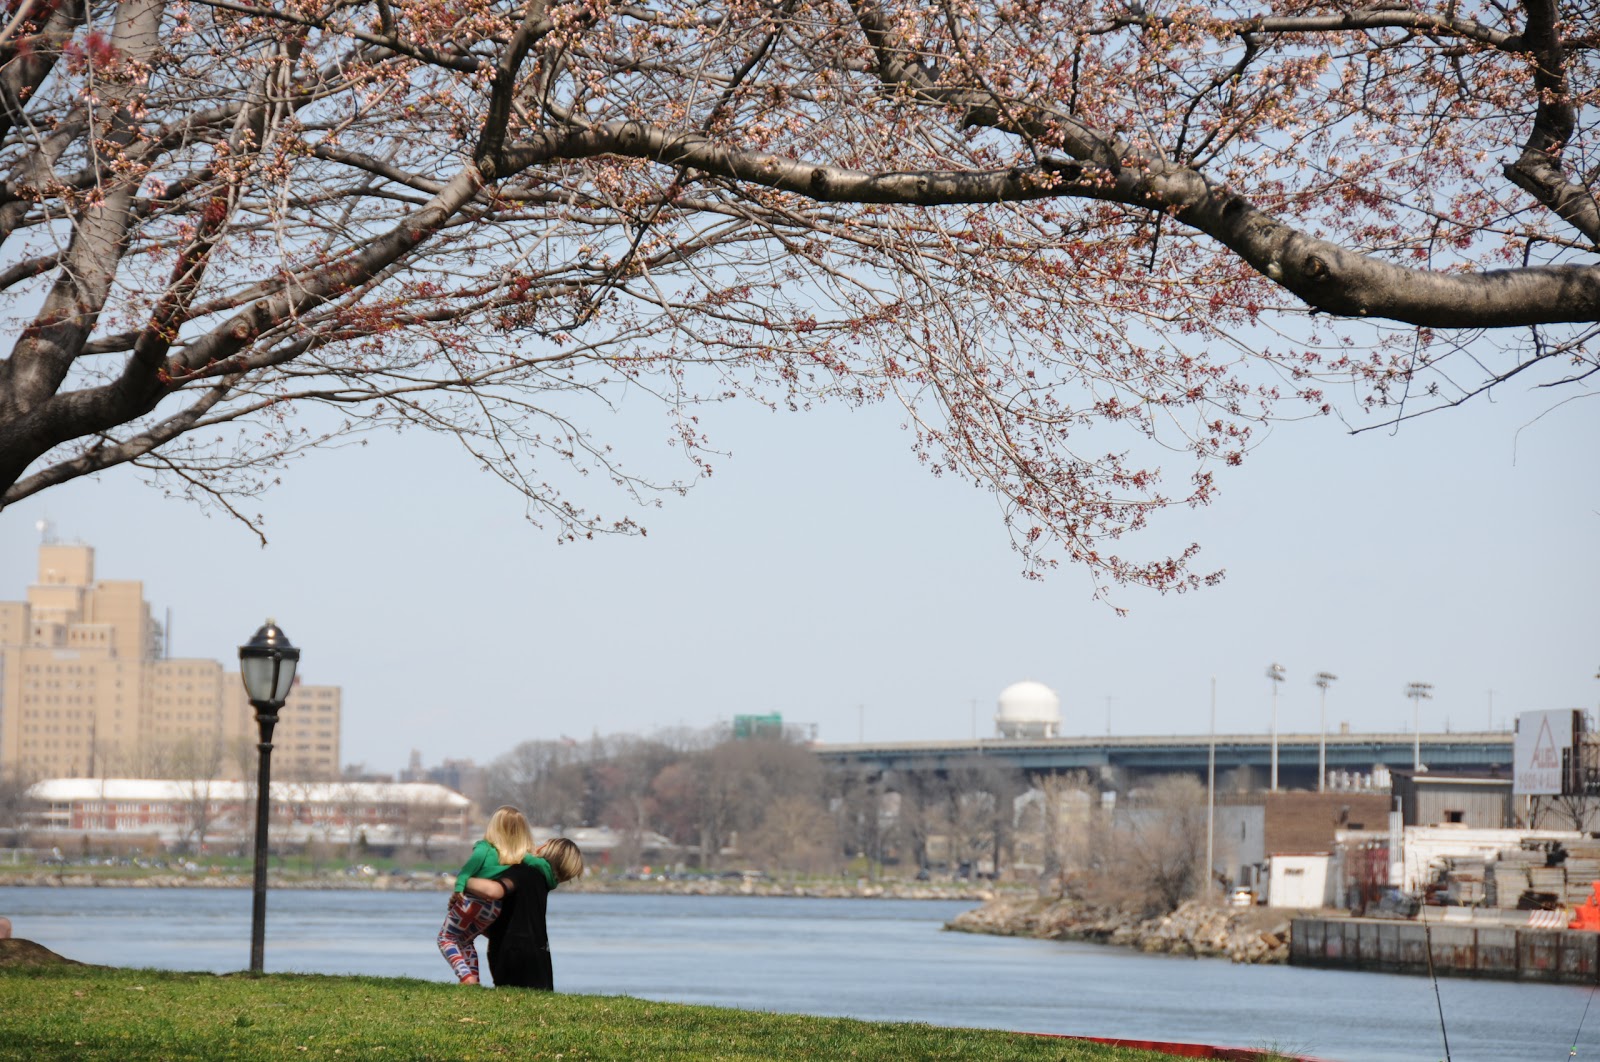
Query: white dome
(1028, 709)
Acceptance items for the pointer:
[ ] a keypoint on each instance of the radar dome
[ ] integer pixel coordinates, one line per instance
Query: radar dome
(1028, 710)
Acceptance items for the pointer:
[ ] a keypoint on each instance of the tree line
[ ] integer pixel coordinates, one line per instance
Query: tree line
(770, 804)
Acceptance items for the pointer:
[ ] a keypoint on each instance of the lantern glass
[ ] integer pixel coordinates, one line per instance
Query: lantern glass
(267, 665)
(286, 676)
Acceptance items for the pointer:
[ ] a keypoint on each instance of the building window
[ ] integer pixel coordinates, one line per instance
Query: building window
(1455, 816)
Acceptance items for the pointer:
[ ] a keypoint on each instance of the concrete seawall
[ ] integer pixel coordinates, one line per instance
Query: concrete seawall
(1508, 953)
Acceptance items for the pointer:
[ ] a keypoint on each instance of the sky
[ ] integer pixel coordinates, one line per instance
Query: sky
(823, 574)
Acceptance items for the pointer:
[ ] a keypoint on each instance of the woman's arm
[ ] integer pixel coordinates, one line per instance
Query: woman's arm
(487, 888)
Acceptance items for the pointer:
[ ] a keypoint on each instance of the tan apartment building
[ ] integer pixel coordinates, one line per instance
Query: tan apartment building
(86, 691)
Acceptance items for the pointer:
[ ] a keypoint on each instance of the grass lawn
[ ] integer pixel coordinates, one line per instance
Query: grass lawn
(79, 1012)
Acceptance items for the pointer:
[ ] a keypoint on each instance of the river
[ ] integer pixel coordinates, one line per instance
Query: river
(875, 959)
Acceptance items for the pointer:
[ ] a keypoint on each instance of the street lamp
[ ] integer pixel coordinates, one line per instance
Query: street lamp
(1275, 673)
(1418, 692)
(1323, 680)
(266, 663)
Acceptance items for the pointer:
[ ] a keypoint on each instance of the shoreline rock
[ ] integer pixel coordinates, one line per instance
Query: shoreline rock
(1243, 935)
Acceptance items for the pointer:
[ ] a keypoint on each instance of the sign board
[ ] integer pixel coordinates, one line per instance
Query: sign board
(758, 726)
(1542, 756)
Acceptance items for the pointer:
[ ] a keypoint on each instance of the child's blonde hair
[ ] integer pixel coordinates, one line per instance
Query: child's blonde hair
(564, 858)
(508, 831)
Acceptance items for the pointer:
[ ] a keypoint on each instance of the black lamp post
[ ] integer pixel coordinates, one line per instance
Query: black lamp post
(266, 663)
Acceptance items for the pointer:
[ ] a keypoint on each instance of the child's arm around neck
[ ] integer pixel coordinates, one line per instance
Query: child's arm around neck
(544, 867)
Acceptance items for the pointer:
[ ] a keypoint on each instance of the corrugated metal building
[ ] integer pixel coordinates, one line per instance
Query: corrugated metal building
(1432, 798)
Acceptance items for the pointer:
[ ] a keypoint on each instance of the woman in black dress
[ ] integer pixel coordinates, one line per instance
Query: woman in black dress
(519, 944)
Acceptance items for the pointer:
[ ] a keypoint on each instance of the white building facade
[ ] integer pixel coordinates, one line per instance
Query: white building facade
(201, 811)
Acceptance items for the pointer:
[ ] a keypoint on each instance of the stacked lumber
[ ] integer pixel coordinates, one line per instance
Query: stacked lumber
(1583, 870)
(1508, 880)
(1466, 883)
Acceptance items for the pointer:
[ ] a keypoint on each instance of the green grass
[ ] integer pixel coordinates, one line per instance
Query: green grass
(67, 1012)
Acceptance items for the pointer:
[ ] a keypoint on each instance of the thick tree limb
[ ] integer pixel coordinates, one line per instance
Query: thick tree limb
(1538, 170)
(1327, 277)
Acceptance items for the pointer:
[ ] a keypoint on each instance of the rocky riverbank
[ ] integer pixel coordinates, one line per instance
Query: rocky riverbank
(422, 882)
(1250, 935)
(859, 889)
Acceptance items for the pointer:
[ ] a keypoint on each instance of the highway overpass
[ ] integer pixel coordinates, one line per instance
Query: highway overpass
(1120, 760)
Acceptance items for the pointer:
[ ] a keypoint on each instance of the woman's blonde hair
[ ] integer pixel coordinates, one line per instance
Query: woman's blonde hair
(509, 833)
(564, 858)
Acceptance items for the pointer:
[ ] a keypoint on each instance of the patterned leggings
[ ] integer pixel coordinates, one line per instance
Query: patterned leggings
(465, 918)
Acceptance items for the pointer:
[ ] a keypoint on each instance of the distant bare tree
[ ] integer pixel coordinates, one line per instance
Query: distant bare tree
(715, 792)
(545, 779)
(774, 773)
(856, 799)
(623, 782)
(1163, 837)
(684, 739)
(971, 826)
(419, 821)
(1062, 833)
(795, 833)
(674, 791)
(14, 802)
(195, 764)
(919, 813)
(699, 788)
(347, 808)
(982, 793)
(721, 793)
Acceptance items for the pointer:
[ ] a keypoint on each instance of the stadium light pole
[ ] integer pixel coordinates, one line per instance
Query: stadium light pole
(266, 664)
(1323, 680)
(1275, 672)
(1418, 692)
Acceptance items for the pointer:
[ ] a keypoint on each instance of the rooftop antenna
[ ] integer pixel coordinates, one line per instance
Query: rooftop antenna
(47, 532)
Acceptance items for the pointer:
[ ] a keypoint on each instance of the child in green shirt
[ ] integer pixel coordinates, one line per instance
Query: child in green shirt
(507, 841)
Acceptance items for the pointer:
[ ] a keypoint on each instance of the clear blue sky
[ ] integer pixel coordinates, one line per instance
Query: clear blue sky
(823, 574)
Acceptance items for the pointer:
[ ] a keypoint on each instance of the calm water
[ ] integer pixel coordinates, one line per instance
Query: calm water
(879, 959)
